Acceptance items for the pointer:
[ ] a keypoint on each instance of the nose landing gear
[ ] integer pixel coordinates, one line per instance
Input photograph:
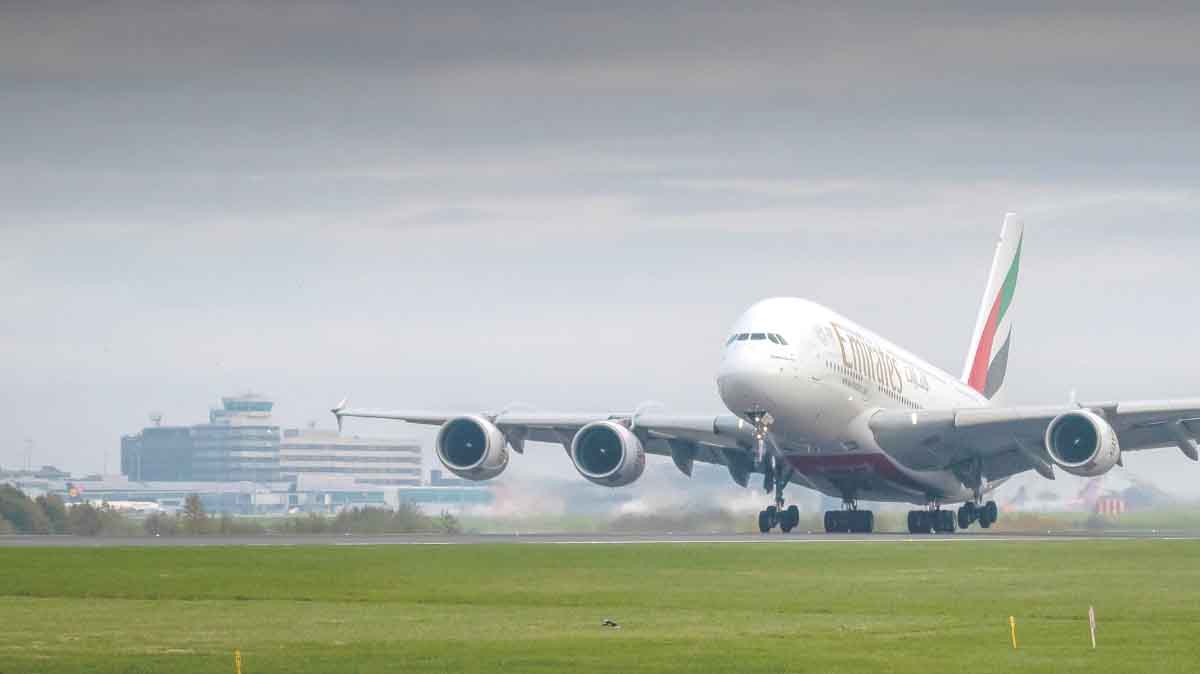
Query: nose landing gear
(778, 516)
(775, 478)
(762, 421)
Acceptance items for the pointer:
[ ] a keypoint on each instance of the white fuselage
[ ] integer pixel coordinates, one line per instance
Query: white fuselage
(821, 376)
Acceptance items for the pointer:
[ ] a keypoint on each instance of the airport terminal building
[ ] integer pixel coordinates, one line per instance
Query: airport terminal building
(242, 461)
(364, 460)
(241, 443)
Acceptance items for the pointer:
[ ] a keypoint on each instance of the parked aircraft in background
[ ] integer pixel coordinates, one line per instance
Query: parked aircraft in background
(818, 400)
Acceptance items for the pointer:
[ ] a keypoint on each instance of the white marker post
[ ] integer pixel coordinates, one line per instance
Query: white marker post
(1092, 624)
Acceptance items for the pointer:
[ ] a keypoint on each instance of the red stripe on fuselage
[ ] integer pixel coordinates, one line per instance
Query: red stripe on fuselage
(877, 464)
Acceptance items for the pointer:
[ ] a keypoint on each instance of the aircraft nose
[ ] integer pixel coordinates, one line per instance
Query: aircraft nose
(745, 378)
(739, 361)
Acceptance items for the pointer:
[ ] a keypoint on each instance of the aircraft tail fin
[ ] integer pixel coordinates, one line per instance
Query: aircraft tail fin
(987, 359)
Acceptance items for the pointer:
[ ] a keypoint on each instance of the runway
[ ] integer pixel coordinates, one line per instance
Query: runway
(665, 538)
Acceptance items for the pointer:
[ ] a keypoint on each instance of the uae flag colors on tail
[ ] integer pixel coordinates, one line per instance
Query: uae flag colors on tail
(987, 359)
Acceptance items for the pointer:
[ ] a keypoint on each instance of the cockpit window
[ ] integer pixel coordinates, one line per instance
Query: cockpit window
(743, 337)
(758, 335)
(730, 340)
(781, 340)
(773, 337)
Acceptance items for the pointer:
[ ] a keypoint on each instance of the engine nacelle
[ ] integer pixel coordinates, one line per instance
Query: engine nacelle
(472, 448)
(1082, 443)
(608, 454)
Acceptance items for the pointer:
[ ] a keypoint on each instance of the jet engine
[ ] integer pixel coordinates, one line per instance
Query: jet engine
(1082, 443)
(472, 448)
(609, 454)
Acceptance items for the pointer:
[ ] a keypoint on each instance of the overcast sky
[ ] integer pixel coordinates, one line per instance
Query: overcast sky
(568, 204)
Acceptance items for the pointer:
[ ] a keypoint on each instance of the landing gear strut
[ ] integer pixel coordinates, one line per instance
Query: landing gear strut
(776, 515)
(974, 510)
(850, 519)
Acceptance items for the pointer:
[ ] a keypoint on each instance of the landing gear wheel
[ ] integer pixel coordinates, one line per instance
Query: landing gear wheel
(918, 522)
(943, 521)
(790, 518)
(832, 521)
(764, 522)
(864, 521)
(988, 514)
(966, 514)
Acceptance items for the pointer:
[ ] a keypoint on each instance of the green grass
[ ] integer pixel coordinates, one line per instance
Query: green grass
(819, 607)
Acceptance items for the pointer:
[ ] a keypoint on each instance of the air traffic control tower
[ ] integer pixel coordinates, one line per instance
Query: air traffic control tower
(239, 442)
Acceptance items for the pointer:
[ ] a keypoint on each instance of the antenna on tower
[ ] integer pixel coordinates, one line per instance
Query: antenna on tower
(156, 418)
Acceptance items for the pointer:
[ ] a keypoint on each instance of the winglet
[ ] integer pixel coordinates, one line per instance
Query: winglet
(337, 412)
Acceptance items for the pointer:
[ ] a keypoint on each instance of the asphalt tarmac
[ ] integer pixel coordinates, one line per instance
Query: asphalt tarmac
(581, 539)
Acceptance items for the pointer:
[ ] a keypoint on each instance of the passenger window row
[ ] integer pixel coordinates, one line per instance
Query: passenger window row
(757, 336)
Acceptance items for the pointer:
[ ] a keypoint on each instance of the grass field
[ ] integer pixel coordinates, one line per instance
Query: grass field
(810, 607)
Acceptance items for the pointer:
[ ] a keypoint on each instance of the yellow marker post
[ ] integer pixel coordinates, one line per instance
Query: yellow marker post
(237, 661)
(1092, 624)
(1012, 625)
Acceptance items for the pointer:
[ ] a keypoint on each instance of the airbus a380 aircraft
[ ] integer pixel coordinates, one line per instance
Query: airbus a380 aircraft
(820, 401)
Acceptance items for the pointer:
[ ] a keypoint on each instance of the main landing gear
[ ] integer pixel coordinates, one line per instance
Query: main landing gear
(985, 514)
(938, 521)
(850, 520)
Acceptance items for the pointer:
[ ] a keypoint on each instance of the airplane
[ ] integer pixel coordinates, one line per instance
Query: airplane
(818, 400)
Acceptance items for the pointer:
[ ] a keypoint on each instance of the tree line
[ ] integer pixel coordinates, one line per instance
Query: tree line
(49, 514)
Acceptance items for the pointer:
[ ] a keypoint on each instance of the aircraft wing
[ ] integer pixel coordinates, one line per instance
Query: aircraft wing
(1010, 440)
(722, 440)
